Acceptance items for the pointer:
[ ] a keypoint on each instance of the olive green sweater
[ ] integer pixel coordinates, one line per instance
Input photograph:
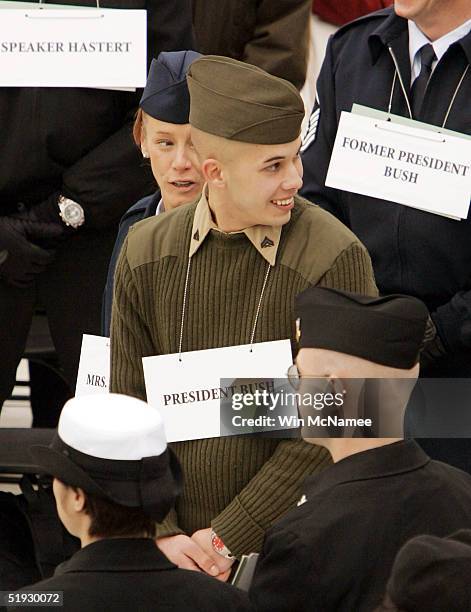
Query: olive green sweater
(239, 485)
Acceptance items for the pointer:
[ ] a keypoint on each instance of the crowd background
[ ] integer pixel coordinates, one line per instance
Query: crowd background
(46, 264)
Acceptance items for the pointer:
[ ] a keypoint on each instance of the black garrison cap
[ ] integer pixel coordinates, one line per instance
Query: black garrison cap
(387, 330)
(433, 574)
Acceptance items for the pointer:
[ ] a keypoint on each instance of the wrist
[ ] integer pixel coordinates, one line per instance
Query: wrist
(70, 212)
(219, 546)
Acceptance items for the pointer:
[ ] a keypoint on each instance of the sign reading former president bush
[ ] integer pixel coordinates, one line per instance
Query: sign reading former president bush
(408, 165)
(77, 47)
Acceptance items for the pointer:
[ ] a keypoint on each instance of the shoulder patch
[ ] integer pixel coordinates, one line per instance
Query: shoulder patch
(311, 132)
(160, 236)
(315, 240)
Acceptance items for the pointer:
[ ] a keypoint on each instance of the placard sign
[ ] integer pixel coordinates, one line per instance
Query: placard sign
(412, 166)
(188, 392)
(94, 367)
(77, 47)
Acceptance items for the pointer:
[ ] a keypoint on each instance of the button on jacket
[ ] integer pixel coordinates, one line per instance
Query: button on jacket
(334, 552)
(413, 252)
(126, 574)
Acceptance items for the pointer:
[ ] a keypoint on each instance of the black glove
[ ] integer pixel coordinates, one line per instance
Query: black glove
(42, 222)
(432, 348)
(20, 260)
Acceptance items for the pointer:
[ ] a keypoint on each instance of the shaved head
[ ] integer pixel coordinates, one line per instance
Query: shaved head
(209, 146)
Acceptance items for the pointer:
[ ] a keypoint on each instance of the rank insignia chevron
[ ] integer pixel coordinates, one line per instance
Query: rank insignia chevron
(266, 242)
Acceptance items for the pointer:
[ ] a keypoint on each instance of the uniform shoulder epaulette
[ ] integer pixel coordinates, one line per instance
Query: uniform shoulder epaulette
(331, 239)
(377, 15)
(157, 237)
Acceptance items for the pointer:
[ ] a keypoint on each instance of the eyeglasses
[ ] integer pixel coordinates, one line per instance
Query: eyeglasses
(294, 377)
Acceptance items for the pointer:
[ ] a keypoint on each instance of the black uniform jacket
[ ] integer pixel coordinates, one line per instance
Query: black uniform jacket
(140, 210)
(78, 141)
(124, 574)
(413, 252)
(335, 551)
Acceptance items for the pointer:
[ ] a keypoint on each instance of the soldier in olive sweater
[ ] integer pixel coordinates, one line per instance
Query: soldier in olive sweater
(252, 245)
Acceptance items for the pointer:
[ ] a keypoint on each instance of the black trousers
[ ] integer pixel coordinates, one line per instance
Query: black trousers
(70, 291)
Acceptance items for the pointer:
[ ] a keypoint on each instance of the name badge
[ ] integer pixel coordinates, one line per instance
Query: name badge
(405, 164)
(188, 393)
(74, 47)
(94, 367)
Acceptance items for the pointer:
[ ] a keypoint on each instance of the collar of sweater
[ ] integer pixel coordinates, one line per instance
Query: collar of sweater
(264, 238)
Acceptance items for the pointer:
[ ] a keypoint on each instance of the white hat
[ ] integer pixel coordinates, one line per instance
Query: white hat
(114, 446)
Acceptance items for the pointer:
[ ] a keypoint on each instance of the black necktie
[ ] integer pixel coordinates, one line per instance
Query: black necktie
(427, 56)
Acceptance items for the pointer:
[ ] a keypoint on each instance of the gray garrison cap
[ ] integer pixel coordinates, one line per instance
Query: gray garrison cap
(241, 102)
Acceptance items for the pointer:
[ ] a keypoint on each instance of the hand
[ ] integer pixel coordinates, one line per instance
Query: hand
(20, 260)
(185, 552)
(43, 222)
(203, 539)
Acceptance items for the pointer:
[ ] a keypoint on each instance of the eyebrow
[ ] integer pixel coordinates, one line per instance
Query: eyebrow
(272, 159)
(160, 133)
(280, 157)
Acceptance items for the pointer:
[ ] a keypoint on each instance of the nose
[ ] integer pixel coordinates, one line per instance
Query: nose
(181, 161)
(294, 178)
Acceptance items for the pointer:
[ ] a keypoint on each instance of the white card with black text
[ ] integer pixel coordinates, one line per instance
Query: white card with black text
(411, 166)
(188, 393)
(74, 47)
(94, 367)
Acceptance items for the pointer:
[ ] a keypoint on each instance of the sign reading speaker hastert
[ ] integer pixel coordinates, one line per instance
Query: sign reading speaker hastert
(75, 47)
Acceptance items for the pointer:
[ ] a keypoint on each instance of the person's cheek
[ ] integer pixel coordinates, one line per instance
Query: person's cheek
(299, 167)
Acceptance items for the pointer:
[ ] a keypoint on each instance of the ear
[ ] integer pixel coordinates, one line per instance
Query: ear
(337, 385)
(79, 499)
(213, 173)
(142, 141)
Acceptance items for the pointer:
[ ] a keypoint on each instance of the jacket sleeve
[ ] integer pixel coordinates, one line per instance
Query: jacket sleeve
(318, 143)
(111, 177)
(273, 491)
(130, 338)
(108, 179)
(453, 323)
(280, 41)
(130, 341)
(285, 578)
(109, 288)
(351, 271)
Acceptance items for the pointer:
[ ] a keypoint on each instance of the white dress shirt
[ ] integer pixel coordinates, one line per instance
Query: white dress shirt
(417, 40)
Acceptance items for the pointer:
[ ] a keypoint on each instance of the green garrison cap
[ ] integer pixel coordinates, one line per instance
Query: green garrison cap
(239, 101)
